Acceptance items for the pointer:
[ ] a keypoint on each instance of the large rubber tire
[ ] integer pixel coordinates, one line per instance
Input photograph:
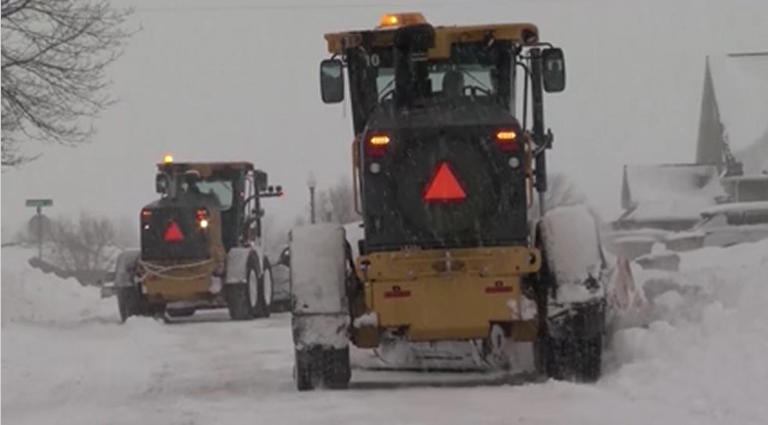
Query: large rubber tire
(239, 297)
(321, 367)
(280, 306)
(576, 359)
(263, 305)
(569, 353)
(129, 303)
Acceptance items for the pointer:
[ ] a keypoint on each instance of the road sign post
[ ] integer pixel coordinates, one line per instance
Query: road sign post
(39, 204)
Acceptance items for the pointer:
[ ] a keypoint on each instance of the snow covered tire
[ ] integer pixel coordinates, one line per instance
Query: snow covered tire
(572, 350)
(129, 303)
(241, 302)
(322, 367)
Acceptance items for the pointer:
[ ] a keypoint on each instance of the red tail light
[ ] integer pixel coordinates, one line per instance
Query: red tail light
(444, 187)
(202, 218)
(144, 220)
(376, 144)
(506, 139)
(173, 233)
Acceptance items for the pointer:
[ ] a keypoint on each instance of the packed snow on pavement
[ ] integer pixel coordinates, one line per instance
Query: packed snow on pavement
(699, 357)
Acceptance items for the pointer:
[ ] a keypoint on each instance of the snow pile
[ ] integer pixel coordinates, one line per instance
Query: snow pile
(29, 295)
(706, 344)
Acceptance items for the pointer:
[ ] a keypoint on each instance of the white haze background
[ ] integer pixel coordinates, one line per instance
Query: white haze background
(237, 80)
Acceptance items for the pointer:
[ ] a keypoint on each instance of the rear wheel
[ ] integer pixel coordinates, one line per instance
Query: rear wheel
(575, 359)
(570, 343)
(264, 292)
(242, 298)
(322, 367)
(569, 353)
(129, 303)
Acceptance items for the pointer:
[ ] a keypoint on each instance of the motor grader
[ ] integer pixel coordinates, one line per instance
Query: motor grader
(201, 244)
(455, 245)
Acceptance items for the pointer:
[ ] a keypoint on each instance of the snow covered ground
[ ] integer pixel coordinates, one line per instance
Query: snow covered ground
(701, 359)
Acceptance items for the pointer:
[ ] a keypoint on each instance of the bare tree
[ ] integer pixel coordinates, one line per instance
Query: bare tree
(54, 54)
(339, 202)
(86, 245)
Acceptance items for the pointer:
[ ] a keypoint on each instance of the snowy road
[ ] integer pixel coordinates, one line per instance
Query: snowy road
(702, 360)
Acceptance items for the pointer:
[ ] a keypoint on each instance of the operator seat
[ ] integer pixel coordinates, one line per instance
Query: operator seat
(453, 84)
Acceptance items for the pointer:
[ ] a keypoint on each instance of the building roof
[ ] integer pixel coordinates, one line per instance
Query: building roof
(669, 192)
(734, 108)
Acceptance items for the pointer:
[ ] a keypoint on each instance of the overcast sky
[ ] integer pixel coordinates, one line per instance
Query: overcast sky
(237, 80)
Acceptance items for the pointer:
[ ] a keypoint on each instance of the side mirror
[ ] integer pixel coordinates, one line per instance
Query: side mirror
(332, 80)
(260, 180)
(285, 257)
(161, 183)
(553, 63)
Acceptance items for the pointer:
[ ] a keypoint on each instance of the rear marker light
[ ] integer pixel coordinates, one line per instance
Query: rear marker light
(498, 287)
(506, 140)
(380, 140)
(396, 292)
(377, 144)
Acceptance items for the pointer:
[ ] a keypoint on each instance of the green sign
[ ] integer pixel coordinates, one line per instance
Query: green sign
(39, 202)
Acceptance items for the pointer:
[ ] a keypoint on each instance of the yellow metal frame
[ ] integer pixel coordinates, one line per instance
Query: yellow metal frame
(445, 36)
(446, 294)
(191, 283)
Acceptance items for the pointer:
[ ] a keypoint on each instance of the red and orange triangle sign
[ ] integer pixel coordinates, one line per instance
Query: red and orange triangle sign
(444, 187)
(173, 233)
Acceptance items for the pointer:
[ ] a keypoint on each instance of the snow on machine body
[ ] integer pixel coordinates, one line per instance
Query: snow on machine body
(201, 244)
(444, 171)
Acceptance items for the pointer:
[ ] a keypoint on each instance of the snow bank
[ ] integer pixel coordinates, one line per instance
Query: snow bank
(29, 295)
(706, 344)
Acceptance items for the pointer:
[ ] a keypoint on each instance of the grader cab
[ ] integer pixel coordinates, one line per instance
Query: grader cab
(445, 165)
